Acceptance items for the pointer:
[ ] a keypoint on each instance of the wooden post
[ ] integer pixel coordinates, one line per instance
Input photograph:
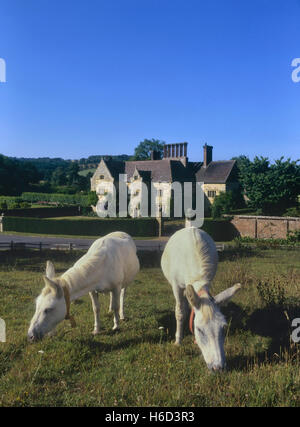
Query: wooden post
(159, 219)
(1, 222)
(41, 244)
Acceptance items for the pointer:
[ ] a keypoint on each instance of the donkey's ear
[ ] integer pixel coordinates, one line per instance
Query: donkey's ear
(224, 297)
(54, 287)
(192, 296)
(50, 270)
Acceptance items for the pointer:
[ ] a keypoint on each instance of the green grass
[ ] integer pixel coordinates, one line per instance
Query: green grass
(140, 366)
(84, 172)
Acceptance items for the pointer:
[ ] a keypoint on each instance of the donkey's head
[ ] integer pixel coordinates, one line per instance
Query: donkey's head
(209, 324)
(51, 307)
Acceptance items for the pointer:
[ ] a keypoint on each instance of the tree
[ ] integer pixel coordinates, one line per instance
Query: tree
(143, 150)
(15, 176)
(72, 173)
(270, 188)
(59, 176)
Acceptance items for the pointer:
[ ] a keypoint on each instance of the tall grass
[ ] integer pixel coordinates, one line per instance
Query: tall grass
(140, 366)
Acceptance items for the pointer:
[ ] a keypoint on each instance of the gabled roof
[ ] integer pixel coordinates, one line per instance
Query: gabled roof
(164, 170)
(112, 166)
(160, 169)
(216, 172)
(167, 170)
(115, 168)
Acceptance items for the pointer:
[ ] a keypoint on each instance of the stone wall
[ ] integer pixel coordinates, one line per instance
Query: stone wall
(265, 227)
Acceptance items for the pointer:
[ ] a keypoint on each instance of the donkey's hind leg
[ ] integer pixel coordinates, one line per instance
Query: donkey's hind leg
(96, 310)
(122, 298)
(110, 302)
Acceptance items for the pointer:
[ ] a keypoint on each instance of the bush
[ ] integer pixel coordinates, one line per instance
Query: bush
(10, 201)
(272, 292)
(292, 212)
(137, 227)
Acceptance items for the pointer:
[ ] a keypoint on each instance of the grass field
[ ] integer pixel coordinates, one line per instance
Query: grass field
(140, 366)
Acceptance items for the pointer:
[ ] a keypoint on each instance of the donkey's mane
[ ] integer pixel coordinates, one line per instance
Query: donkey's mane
(210, 310)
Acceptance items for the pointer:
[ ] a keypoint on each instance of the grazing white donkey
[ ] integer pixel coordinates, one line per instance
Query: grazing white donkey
(189, 262)
(109, 265)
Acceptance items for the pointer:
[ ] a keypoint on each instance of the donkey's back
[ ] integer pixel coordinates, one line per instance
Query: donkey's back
(190, 256)
(110, 260)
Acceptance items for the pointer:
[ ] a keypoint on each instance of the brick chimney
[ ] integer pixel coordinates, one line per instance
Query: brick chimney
(207, 155)
(175, 151)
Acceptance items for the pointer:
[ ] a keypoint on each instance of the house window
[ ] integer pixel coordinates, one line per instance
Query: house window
(101, 176)
(160, 193)
(211, 193)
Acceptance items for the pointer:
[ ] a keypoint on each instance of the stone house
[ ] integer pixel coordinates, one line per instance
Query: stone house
(159, 174)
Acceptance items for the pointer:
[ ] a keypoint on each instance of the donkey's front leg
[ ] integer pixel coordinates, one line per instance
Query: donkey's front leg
(179, 314)
(116, 307)
(96, 310)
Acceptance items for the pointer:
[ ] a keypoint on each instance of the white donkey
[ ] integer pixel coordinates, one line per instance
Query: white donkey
(109, 265)
(189, 262)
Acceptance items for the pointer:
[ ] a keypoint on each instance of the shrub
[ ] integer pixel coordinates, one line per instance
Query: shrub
(292, 212)
(223, 204)
(272, 292)
(220, 230)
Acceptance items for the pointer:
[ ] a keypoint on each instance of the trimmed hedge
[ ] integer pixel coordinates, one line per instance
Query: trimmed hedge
(136, 227)
(47, 212)
(66, 199)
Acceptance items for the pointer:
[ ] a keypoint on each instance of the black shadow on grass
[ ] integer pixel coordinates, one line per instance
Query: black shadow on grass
(100, 347)
(268, 322)
(233, 254)
(34, 260)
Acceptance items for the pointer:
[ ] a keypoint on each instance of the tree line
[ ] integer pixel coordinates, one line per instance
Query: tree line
(266, 188)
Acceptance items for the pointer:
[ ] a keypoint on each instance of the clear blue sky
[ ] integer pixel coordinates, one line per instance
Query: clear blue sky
(96, 77)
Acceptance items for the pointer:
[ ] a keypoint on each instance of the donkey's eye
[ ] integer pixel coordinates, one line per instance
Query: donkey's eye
(202, 336)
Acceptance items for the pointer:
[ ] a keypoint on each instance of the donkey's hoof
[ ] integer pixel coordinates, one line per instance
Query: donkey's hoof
(95, 332)
(178, 344)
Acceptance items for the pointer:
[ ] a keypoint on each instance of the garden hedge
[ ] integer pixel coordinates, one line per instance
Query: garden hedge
(221, 230)
(67, 199)
(136, 227)
(46, 212)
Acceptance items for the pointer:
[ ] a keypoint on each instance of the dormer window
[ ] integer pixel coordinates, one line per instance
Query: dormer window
(101, 177)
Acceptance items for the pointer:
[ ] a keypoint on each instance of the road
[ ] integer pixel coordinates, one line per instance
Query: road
(80, 243)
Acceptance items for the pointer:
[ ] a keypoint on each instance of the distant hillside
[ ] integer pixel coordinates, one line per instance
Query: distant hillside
(46, 165)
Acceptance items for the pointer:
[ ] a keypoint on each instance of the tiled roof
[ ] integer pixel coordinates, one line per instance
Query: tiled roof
(216, 172)
(170, 170)
(160, 169)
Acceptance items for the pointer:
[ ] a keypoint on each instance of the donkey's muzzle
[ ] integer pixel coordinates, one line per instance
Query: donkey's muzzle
(33, 337)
